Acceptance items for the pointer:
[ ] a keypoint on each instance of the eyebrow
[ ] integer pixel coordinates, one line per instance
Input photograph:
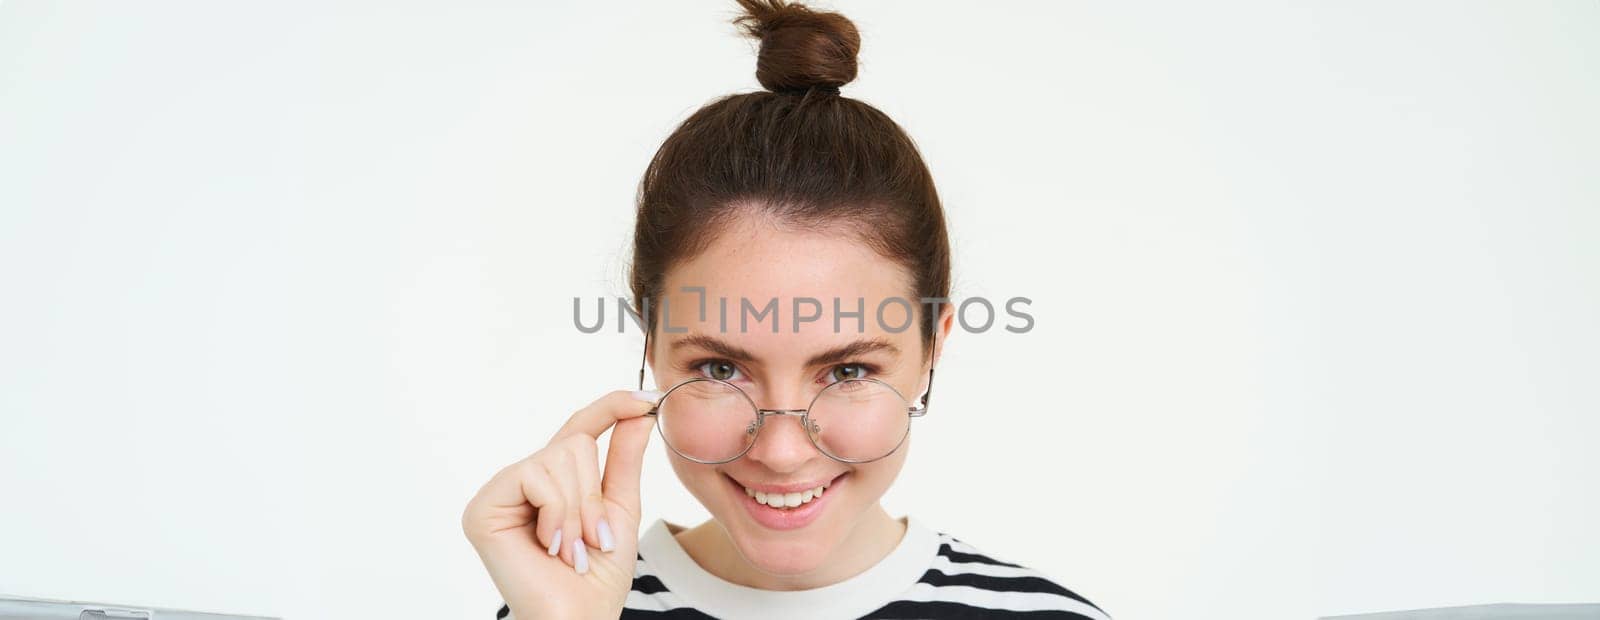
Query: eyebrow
(835, 355)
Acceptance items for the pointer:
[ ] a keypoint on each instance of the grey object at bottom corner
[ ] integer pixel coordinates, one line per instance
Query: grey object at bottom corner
(15, 608)
(1501, 611)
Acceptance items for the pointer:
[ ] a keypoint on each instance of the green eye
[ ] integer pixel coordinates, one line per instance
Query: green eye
(721, 371)
(849, 371)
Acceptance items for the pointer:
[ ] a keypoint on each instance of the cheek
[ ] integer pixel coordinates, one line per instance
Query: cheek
(873, 479)
(700, 479)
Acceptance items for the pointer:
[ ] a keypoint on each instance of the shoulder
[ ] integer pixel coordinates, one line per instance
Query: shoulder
(966, 581)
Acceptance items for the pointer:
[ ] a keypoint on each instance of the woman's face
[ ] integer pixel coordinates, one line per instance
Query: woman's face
(757, 261)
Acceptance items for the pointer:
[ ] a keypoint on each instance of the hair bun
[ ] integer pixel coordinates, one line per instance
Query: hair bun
(800, 48)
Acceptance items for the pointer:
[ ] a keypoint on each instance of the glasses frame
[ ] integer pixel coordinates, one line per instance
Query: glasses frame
(914, 410)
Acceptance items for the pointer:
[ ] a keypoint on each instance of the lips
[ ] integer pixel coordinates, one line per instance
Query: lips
(796, 487)
(787, 518)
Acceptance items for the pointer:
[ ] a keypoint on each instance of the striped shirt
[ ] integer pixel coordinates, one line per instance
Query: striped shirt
(930, 574)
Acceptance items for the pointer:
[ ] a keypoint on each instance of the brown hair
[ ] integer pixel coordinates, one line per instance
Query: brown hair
(797, 153)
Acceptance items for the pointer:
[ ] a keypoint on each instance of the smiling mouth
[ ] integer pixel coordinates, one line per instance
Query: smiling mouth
(789, 500)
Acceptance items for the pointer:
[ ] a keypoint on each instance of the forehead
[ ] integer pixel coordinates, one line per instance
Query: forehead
(756, 261)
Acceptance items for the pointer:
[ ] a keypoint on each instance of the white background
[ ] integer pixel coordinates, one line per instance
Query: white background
(1315, 289)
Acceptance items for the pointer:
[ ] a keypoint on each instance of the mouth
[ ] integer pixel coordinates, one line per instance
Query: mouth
(795, 509)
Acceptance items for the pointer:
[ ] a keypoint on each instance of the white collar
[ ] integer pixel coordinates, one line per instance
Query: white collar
(851, 598)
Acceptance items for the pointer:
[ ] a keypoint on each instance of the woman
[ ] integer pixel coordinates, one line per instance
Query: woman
(794, 197)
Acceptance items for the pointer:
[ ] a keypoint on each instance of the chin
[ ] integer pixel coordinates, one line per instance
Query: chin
(782, 553)
(784, 557)
(787, 551)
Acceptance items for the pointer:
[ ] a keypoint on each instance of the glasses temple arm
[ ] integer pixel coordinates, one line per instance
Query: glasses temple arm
(643, 357)
(928, 394)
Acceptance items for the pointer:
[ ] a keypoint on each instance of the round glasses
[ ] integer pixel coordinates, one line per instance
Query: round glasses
(853, 420)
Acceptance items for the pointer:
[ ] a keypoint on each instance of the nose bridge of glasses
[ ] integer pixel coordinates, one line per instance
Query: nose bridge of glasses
(800, 421)
(773, 437)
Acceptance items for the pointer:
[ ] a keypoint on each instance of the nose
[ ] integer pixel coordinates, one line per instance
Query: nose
(783, 444)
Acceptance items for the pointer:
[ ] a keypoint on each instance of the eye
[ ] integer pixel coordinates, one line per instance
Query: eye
(844, 372)
(721, 370)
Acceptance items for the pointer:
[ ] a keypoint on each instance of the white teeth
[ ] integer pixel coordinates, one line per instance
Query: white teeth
(785, 500)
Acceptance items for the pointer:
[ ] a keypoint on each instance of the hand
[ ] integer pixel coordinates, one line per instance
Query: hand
(514, 520)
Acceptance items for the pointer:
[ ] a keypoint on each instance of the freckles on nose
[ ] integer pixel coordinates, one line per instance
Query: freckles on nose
(782, 438)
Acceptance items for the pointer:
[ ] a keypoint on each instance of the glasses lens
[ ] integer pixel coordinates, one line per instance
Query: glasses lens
(707, 420)
(859, 419)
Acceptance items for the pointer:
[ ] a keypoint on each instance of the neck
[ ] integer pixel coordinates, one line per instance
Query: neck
(874, 536)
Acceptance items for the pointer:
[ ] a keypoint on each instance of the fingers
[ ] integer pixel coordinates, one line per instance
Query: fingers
(563, 468)
(560, 493)
(506, 501)
(512, 515)
(591, 509)
(506, 524)
(624, 460)
(594, 419)
(623, 411)
(547, 498)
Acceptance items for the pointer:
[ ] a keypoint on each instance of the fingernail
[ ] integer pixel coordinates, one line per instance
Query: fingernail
(607, 543)
(580, 551)
(555, 543)
(648, 396)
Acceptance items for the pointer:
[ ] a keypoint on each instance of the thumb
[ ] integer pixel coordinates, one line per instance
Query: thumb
(625, 460)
